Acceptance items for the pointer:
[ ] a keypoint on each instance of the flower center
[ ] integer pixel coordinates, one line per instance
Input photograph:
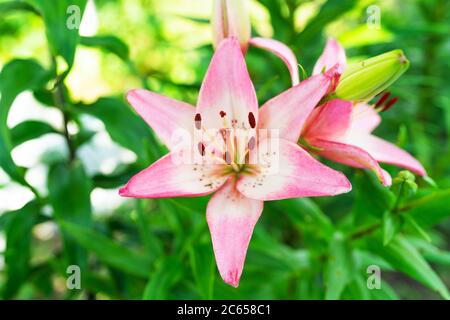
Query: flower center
(230, 145)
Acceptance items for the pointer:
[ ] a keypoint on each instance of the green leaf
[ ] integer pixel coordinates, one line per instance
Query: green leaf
(109, 43)
(430, 208)
(371, 198)
(62, 20)
(431, 252)
(69, 193)
(307, 214)
(417, 228)
(29, 130)
(391, 226)
(11, 6)
(18, 247)
(107, 250)
(122, 124)
(404, 257)
(330, 11)
(386, 292)
(204, 269)
(338, 272)
(166, 276)
(16, 76)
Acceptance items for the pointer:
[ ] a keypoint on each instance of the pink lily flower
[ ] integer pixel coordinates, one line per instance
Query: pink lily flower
(342, 132)
(230, 18)
(231, 131)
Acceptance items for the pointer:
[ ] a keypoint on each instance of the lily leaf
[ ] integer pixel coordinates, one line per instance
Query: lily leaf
(69, 194)
(62, 20)
(16, 76)
(108, 251)
(338, 271)
(108, 43)
(404, 257)
(18, 247)
(29, 130)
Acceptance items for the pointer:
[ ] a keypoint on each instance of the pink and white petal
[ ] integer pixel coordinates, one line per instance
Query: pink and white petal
(231, 219)
(164, 115)
(288, 171)
(352, 156)
(227, 90)
(288, 111)
(364, 119)
(329, 120)
(333, 54)
(283, 52)
(170, 177)
(386, 152)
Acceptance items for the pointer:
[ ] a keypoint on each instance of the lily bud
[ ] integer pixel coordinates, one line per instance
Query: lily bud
(231, 19)
(364, 80)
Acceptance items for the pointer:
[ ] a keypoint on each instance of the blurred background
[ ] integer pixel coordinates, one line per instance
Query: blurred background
(68, 141)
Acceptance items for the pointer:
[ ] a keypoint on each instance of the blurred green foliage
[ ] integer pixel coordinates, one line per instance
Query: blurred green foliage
(161, 249)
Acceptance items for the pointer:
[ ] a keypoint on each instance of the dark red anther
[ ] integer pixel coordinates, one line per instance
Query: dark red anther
(390, 104)
(222, 114)
(383, 99)
(251, 120)
(198, 121)
(251, 143)
(201, 148)
(227, 157)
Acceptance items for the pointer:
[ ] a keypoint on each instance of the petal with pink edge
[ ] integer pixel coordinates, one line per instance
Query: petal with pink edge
(227, 94)
(283, 52)
(167, 178)
(288, 111)
(364, 119)
(386, 152)
(231, 218)
(333, 54)
(164, 115)
(352, 156)
(285, 170)
(329, 120)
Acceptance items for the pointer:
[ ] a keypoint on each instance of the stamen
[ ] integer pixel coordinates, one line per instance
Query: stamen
(383, 99)
(252, 120)
(227, 157)
(201, 148)
(198, 121)
(251, 143)
(222, 114)
(390, 104)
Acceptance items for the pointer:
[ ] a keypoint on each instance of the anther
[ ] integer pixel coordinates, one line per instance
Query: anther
(251, 143)
(390, 104)
(227, 157)
(201, 148)
(198, 121)
(383, 99)
(251, 120)
(222, 114)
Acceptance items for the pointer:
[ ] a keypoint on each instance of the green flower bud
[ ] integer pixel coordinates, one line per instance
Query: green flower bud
(364, 80)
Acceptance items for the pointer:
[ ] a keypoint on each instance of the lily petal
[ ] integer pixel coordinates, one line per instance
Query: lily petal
(288, 111)
(329, 120)
(352, 156)
(333, 54)
(288, 171)
(364, 119)
(231, 218)
(227, 92)
(386, 152)
(283, 52)
(166, 178)
(163, 115)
